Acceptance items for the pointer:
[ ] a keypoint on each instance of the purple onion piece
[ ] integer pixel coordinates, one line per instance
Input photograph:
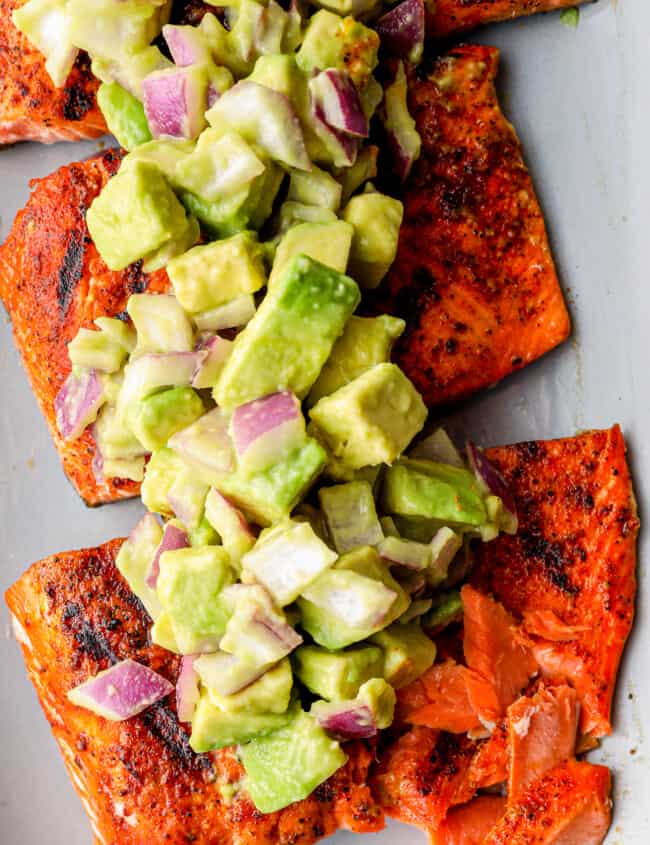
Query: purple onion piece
(346, 721)
(268, 424)
(175, 102)
(77, 404)
(336, 95)
(187, 45)
(288, 639)
(187, 689)
(402, 30)
(206, 444)
(173, 538)
(122, 691)
(216, 351)
(347, 146)
(490, 478)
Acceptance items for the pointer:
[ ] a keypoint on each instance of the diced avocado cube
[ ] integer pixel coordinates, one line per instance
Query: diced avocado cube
(380, 697)
(213, 728)
(420, 488)
(189, 587)
(225, 673)
(438, 447)
(444, 547)
(364, 168)
(221, 165)
(131, 468)
(113, 437)
(269, 694)
(160, 323)
(447, 609)
(270, 495)
(257, 632)
(162, 471)
(280, 73)
(315, 187)
(119, 331)
(187, 498)
(286, 766)
(343, 43)
(101, 27)
(291, 336)
(96, 351)
(135, 214)
(338, 609)
(351, 516)
(203, 534)
(165, 154)
(179, 244)
(376, 219)
(288, 559)
(162, 633)
(215, 273)
(336, 675)
(408, 553)
(124, 115)
(328, 243)
(408, 653)
(417, 609)
(134, 561)
(155, 418)
(372, 419)
(229, 523)
(365, 341)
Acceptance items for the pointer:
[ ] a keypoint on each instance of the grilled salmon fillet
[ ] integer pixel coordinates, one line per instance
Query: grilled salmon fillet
(574, 557)
(31, 107)
(474, 278)
(470, 824)
(568, 805)
(139, 780)
(451, 17)
(52, 282)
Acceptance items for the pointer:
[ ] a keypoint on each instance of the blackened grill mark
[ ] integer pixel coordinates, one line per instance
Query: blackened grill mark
(70, 272)
(78, 102)
(551, 557)
(94, 643)
(162, 722)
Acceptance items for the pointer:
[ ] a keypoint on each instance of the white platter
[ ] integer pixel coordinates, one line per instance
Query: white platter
(580, 101)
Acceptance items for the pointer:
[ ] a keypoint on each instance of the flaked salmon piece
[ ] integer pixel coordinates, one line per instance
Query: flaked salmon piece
(569, 805)
(574, 555)
(31, 107)
(542, 732)
(489, 766)
(470, 824)
(474, 278)
(52, 282)
(439, 699)
(451, 17)
(502, 664)
(548, 625)
(139, 780)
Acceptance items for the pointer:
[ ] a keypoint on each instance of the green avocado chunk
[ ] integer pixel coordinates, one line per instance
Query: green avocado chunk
(343, 43)
(155, 418)
(421, 488)
(365, 341)
(408, 653)
(135, 214)
(124, 115)
(328, 243)
(372, 419)
(447, 608)
(288, 765)
(189, 587)
(291, 336)
(213, 728)
(270, 495)
(134, 561)
(376, 219)
(163, 469)
(269, 694)
(336, 675)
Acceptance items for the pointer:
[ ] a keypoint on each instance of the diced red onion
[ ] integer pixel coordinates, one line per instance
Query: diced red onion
(153, 371)
(407, 553)
(187, 45)
(187, 689)
(402, 30)
(265, 429)
(233, 314)
(225, 673)
(403, 137)
(336, 95)
(173, 538)
(206, 443)
(344, 148)
(287, 638)
(346, 721)
(355, 606)
(77, 404)
(175, 101)
(438, 447)
(490, 478)
(217, 351)
(122, 691)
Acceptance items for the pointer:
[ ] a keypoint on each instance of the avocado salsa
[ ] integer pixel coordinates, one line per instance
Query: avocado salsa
(305, 547)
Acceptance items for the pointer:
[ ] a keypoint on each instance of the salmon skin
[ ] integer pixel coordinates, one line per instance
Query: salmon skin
(446, 18)
(569, 805)
(52, 282)
(31, 107)
(574, 555)
(139, 780)
(474, 278)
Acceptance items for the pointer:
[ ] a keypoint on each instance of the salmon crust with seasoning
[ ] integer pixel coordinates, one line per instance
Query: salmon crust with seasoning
(574, 555)
(31, 107)
(139, 780)
(53, 282)
(474, 277)
(451, 17)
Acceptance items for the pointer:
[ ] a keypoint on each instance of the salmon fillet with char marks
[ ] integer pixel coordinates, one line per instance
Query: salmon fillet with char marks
(446, 18)
(474, 277)
(52, 282)
(139, 780)
(574, 555)
(31, 107)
